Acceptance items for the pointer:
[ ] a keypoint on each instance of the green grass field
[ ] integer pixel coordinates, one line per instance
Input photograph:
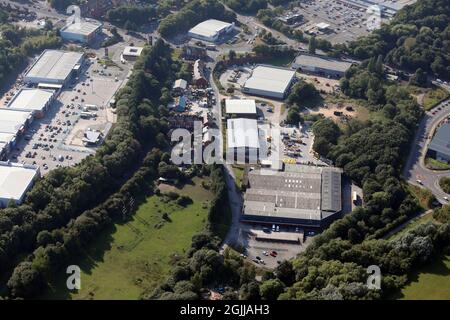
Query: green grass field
(431, 282)
(132, 258)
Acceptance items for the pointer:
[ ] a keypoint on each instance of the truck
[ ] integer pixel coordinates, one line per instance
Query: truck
(355, 198)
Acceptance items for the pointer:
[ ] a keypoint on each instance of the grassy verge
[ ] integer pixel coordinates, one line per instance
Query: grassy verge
(238, 171)
(132, 258)
(424, 196)
(444, 183)
(432, 282)
(434, 164)
(433, 97)
(413, 223)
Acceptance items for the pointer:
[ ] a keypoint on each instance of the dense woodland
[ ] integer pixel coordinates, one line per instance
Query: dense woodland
(19, 44)
(418, 37)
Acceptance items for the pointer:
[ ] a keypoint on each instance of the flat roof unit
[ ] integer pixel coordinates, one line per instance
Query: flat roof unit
(29, 99)
(83, 27)
(132, 51)
(15, 180)
(322, 25)
(6, 137)
(441, 140)
(12, 121)
(240, 106)
(321, 62)
(180, 84)
(242, 133)
(210, 29)
(269, 80)
(299, 195)
(53, 66)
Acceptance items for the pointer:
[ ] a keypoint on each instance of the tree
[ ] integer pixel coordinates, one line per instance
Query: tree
(231, 55)
(271, 289)
(312, 45)
(420, 78)
(26, 281)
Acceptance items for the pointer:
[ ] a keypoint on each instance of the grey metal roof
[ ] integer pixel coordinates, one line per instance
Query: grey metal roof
(441, 140)
(300, 192)
(322, 62)
(331, 190)
(54, 65)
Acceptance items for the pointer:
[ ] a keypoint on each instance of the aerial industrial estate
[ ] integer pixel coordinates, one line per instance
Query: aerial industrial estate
(330, 140)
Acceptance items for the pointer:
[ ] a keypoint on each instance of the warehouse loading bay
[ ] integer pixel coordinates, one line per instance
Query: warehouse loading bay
(56, 140)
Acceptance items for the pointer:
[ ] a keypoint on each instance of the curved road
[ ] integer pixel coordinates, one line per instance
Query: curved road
(415, 166)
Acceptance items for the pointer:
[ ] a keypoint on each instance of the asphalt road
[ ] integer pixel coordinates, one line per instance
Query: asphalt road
(415, 166)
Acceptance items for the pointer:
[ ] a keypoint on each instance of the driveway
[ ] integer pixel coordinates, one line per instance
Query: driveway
(415, 166)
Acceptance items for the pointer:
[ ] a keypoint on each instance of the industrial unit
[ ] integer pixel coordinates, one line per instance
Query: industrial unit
(301, 195)
(132, 53)
(83, 31)
(242, 139)
(269, 81)
(7, 142)
(54, 67)
(14, 121)
(211, 30)
(243, 108)
(34, 100)
(15, 181)
(439, 147)
(321, 65)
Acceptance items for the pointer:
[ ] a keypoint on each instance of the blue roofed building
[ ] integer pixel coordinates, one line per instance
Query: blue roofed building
(180, 104)
(439, 147)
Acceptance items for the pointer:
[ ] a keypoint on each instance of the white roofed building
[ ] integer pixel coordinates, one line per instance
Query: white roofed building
(14, 121)
(132, 53)
(54, 67)
(15, 181)
(245, 108)
(211, 30)
(83, 31)
(36, 101)
(243, 139)
(269, 81)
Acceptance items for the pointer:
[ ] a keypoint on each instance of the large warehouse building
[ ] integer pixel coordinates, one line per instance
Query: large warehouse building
(211, 30)
(14, 121)
(83, 31)
(268, 81)
(242, 138)
(34, 100)
(321, 65)
(439, 147)
(15, 181)
(54, 67)
(301, 196)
